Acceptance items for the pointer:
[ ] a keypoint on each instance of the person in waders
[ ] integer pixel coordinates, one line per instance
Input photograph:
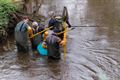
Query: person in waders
(57, 21)
(38, 38)
(21, 35)
(52, 43)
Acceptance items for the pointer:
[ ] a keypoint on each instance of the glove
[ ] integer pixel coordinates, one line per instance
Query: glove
(45, 35)
(44, 45)
(30, 31)
(63, 43)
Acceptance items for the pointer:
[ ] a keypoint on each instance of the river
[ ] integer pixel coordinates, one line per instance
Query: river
(93, 50)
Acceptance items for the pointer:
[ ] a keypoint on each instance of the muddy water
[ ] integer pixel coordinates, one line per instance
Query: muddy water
(93, 53)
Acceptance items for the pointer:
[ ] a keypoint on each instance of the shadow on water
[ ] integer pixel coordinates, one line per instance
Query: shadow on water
(23, 59)
(54, 68)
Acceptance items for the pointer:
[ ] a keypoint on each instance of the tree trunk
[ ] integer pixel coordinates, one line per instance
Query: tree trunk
(32, 6)
(27, 6)
(37, 7)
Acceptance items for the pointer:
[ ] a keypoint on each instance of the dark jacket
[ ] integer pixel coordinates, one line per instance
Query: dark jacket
(37, 39)
(52, 42)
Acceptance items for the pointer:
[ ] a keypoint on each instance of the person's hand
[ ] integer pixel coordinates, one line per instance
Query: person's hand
(30, 31)
(44, 45)
(71, 28)
(63, 43)
(45, 35)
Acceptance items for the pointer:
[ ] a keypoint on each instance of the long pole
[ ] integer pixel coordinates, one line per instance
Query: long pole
(65, 39)
(40, 32)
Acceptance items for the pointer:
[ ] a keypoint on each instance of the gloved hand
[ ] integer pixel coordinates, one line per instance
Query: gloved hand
(71, 28)
(45, 35)
(63, 43)
(44, 45)
(30, 31)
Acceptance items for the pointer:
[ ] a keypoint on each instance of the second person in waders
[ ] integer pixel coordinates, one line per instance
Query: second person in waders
(53, 47)
(52, 43)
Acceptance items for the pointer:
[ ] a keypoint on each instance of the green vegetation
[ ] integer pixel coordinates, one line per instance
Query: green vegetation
(6, 7)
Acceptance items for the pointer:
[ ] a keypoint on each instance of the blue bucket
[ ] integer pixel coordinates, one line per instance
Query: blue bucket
(41, 50)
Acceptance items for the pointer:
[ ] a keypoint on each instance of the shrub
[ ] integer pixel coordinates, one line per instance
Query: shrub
(6, 7)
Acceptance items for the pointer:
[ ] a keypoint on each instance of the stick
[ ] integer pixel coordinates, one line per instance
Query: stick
(41, 32)
(65, 31)
(65, 46)
(87, 26)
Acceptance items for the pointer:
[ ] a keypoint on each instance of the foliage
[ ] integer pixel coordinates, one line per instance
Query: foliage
(6, 7)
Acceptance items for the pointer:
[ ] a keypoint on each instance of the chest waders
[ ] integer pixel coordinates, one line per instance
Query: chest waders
(21, 38)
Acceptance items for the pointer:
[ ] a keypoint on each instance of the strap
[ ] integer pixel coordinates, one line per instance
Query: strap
(33, 30)
(21, 26)
(37, 28)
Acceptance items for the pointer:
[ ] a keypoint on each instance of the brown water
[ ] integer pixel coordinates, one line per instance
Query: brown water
(93, 53)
